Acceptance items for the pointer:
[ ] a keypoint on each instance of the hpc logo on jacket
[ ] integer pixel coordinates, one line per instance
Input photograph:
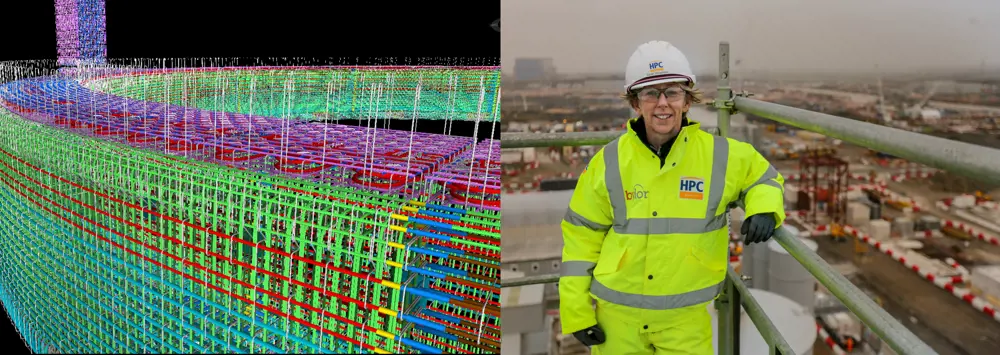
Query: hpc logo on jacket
(637, 193)
(692, 188)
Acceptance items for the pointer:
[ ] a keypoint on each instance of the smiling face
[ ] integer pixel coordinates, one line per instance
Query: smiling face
(663, 107)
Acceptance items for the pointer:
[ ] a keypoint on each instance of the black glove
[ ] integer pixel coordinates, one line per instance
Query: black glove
(590, 336)
(758, 228)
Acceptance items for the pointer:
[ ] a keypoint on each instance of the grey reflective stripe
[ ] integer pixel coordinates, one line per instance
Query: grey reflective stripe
(646, 226)
(654, 302)
(613, 182)
(577, 268)
(769, 178)
(577, 220)
(720, 163)
(672, 225)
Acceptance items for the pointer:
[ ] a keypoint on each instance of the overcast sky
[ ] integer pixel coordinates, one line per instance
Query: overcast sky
(777, 35)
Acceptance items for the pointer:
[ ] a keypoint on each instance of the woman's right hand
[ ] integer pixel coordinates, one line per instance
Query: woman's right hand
(590, 336)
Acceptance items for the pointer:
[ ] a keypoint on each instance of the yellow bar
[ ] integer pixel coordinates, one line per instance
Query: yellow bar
(387, 311)
(411, 209)
(384, 334)
(389, 284)
(397, 228)
(380, 351)
(393, 263)
(418, 203)
(396, 245)
(399, 217)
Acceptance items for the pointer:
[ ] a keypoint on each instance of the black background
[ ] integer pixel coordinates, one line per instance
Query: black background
(441, 32)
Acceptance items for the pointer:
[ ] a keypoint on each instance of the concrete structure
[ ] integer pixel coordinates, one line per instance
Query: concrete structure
(532, 245)
(532, 238)
(534, 69)
(523, 323)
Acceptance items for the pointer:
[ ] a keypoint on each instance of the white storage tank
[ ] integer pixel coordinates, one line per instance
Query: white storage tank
(794, 323)
(754, 264)
(791, 229)
(754, 261)
(787, 277)
(879, 229)
(792, 194)
(857, 213)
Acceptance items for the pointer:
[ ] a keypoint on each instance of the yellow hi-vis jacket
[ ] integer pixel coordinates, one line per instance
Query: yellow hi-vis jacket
(648, 242)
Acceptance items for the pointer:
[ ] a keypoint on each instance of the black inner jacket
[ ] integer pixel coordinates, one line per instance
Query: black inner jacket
(639, 126)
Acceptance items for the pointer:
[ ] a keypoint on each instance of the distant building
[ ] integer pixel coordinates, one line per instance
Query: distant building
(928, 114)
(956, 87)
(534, 69)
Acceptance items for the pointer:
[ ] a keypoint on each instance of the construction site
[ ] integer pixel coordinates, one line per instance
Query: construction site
(908, 235)
(923, 243)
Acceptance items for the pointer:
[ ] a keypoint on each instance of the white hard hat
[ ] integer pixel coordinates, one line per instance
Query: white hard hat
(657, 62)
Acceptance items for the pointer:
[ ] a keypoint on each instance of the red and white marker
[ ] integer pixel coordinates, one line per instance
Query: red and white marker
(946, 283)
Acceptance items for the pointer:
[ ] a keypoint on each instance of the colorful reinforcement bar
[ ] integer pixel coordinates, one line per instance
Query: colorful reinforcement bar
(80, 34)
(473, 178)
(360, 157)
(145, 226)
(310, 93)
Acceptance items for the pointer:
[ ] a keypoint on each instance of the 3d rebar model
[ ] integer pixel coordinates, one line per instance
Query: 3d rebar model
(223, 208)
(132, 224)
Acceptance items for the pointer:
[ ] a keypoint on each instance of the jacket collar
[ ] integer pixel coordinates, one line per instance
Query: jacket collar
(637, 129)
(672, 151)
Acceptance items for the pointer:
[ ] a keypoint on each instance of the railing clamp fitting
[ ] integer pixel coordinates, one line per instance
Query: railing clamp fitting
(730, 104)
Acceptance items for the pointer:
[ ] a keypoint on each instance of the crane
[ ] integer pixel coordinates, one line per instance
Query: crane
(886, 117)
(914, 111)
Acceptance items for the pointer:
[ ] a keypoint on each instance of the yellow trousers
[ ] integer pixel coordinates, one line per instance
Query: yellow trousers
(690, 336)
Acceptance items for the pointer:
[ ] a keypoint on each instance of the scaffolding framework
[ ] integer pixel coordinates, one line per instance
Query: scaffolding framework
(819, 164)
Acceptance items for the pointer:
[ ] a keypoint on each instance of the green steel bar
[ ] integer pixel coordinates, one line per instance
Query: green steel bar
(966, 159)
(757, 314)
(530, 280)
(728, 318)
(725, 93)
(728, 302)
(562, 139)
(888, 328)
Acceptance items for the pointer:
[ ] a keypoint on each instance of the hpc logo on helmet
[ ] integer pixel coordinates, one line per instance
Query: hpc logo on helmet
(637, 193)
(692, 188)
(654, 59)
(656, 66)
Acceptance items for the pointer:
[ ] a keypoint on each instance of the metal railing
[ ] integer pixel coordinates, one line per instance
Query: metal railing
(965, 159)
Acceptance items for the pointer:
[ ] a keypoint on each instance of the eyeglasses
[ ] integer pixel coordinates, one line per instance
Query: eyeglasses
(651, 95)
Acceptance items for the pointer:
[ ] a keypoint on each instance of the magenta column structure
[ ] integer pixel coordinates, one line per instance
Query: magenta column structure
(80, 32)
